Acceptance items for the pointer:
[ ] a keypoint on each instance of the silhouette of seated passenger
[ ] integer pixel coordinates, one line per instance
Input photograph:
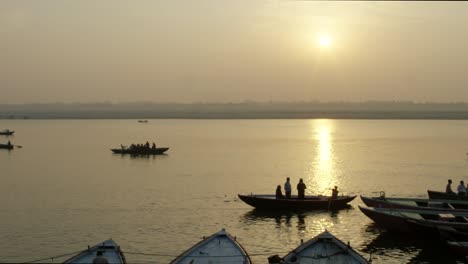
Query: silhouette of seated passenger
(279, 194)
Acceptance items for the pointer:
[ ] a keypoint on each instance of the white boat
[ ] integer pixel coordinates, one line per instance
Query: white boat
(109, 250)
(324, 248)
(219, 248)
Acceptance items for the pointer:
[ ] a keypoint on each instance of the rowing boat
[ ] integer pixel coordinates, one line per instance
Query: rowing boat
(446, 196)
(322, 249)
(415, 203)
(7, 132)
(6, 146)
(270, 202)
(143, 151)
(108, 250)
(405, 220)
(219, 248)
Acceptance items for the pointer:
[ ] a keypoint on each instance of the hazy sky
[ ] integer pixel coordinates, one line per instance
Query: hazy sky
(221, 51)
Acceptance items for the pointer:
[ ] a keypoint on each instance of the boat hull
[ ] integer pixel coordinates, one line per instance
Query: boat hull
(324, 248)
(9, 133)
(219, 248)
(6, 146)
(459, 248)
(445, 196)
(156, 151)
(390, 222)
(109, 249)
(419, 221)
(416, 204)
(269, 202)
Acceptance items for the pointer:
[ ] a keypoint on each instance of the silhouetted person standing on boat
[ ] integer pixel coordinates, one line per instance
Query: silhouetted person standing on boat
(461, 189)
(287, 188)
(154, 146)
(9, 143)
(448, 189)
(147, 145)
(99, 259)
(301, 189)
(279, 194)
(335, 193)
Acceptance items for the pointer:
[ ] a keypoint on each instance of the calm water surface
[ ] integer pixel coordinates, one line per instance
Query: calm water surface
(65, 190)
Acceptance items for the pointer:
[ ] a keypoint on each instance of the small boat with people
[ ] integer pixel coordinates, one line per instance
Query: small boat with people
(7, 132)
(221, 247)
(105, 252)
(140, 149)
(309, 202)
(415, 203)
(446, 196)
(322, 249)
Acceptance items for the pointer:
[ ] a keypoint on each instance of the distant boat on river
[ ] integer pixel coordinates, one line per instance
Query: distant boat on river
(148, 151)
(220, 247)
(323, 249)
(142, 121)
(7, 132)
(107, 249)
(7, 146)
(270, 202)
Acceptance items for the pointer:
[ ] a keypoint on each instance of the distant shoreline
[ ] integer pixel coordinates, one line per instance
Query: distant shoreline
(250, 110)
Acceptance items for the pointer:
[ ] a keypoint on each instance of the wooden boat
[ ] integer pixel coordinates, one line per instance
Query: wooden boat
(460, 248)
(405, 220)
(415, 203)
(269, 202)
(6, 146)
(322, 249)
(6, 132)
(142, 121)
(219, 248)
(448, 233)
(107, 249)
(143, 151)
(445, 196)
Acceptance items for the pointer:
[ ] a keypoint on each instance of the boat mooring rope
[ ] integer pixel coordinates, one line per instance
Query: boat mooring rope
(142, 254)
(54, 257)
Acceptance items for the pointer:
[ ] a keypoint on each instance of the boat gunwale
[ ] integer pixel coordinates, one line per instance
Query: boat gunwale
(206, 240)
(326, 235)
(109, 242)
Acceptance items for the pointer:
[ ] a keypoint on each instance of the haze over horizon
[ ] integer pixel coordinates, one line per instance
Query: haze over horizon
(213, 51)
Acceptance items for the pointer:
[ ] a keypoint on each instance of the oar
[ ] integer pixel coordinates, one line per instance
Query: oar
(18, 146)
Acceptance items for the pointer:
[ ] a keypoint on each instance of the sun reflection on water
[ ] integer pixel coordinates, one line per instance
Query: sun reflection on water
(323, 172)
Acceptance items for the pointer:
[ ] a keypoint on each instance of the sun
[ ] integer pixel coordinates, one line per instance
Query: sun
(324, 41)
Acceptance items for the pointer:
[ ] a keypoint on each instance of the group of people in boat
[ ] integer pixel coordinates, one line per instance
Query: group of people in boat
(300, 190)
(138, 147)
(462, 189)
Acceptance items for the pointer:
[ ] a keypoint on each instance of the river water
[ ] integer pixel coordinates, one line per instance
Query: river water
(64, 189)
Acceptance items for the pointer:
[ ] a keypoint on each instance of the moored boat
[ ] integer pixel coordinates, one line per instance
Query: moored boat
(458, 247)
(6, 146)
(445, 196)
(415, 203)
(322, 249)
(143, 151)
(6, 132)
(108, 250)
(270, 202)
(405, 220)
(219, 248)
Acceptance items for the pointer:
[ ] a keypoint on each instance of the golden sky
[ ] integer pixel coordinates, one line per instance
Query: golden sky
(230, 51)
